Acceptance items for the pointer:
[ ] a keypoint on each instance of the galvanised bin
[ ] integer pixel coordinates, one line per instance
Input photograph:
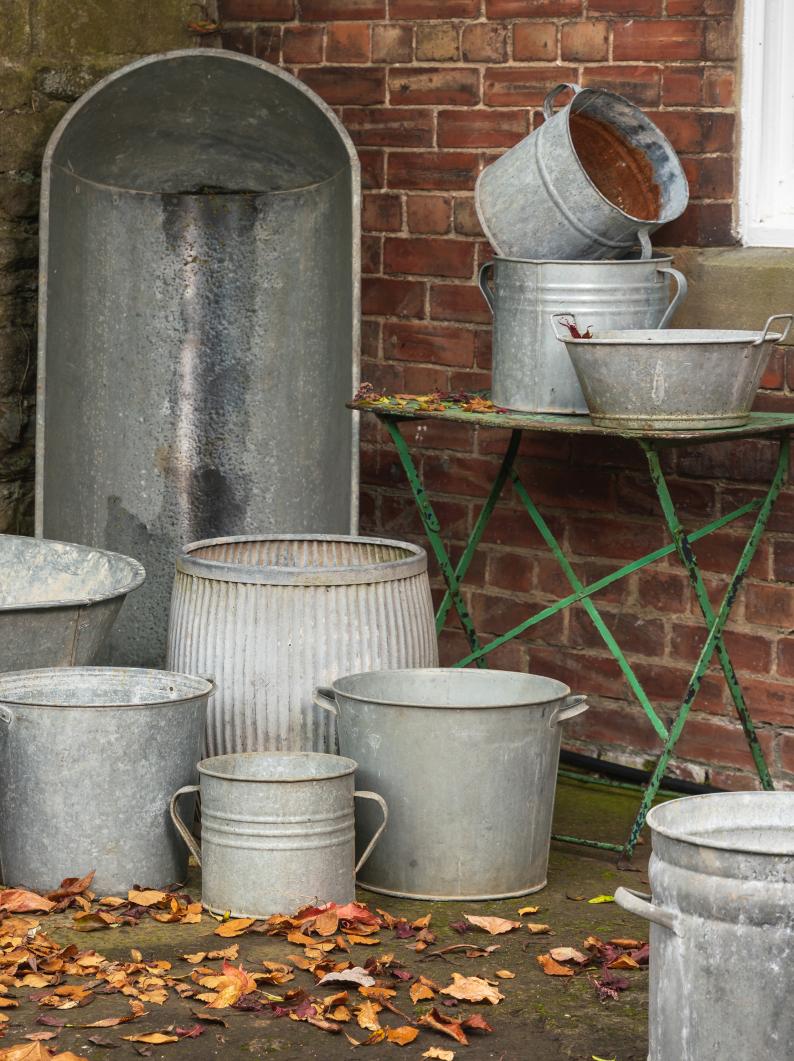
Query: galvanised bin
(467, 762)
(270, 617)
(89, 759)
(277, 831)
(722, 927)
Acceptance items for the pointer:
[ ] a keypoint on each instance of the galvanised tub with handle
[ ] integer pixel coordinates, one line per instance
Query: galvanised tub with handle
(531, 371)
(277, 831)
(89, 758)
(467, 761)
(722, 927)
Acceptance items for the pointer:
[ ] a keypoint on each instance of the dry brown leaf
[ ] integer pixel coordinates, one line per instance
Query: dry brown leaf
(235, 927)
(628, 944)
(625, 961)
(568, 954)
(41, 1037)
(538, 929)
(495, 926)
(505, 974)
(472, 989)
(445, 1025)
(20, 901)
(369, 941)
(439, 1054)
(326, 923)
(194, 959)
(552, 968)
(156, 1038)
(148, 897)
(367, 1015)
(26, 1052)
(528, 910)
(419, 991)
(403, 1035)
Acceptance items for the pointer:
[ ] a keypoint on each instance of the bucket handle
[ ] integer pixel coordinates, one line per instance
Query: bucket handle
(554, 317)
(6, 715)
(181, 828)
(641, 905)
(679, 296)
(548, 103)
(323, 696)
(483, 282)
(361, 794)
(776, 317)
(573, 706)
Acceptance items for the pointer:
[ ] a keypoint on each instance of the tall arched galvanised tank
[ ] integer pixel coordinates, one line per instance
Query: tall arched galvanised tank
(198, 318)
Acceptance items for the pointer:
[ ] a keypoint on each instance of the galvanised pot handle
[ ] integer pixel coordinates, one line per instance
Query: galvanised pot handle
(679, 296)
(776, 317)
(554, 317)
(641, 905)
(371, 845)
(323, 696)
(548, 103)
(483, 282)
(646, 250)
(573, 706)
(6, 715)
(181, 828)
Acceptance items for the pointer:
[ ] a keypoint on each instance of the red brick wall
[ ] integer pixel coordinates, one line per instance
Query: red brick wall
(432, 90)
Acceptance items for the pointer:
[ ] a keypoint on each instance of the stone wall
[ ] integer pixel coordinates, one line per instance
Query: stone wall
(51, 51)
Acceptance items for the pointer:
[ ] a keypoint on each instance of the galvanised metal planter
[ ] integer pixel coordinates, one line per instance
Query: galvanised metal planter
(671, 378)
(530, 371)
(277, 831)
(58, 601)
(722, 927)
(588, 183)
(198, 318)
(467, 761)
(89, 759)
(271, 617)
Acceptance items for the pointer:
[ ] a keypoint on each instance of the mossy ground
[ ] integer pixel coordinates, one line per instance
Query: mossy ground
(542, 1018)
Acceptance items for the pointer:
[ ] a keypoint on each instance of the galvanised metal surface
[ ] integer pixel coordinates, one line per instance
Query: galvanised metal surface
(199, 318)
(466, 761)
(270, 617)
(722, 927)
(530, 372)
(670, 378)
(89, 759)
(58, 601)
(537, 201)
(277, 831)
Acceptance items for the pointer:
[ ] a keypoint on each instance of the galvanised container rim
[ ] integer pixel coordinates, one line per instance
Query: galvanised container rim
(337, 766)
(414, 562)
(474, 678)
(192, 686)
(653, 260)
(721, 805)
(646, 337)
(136, 569)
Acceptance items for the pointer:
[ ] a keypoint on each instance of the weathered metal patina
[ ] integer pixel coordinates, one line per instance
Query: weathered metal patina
(199, 317)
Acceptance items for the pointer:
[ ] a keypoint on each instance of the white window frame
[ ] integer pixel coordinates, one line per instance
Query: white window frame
(766, 188)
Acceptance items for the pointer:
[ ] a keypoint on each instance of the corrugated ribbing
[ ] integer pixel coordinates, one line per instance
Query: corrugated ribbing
(268, 646)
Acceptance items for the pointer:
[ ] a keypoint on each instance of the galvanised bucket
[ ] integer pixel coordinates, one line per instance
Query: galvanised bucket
(58, 601)
(669, 379)
(277, 831)
(722, 927)
(271, 617)
(530, 371)
(89, 759)
(592, 180)
(467, 761)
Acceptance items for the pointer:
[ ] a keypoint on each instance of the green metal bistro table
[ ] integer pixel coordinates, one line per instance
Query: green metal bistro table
(770, 426)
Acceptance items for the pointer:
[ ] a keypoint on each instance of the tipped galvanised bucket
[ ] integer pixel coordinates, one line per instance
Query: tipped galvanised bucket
(272, 616)
(467, 761)
(531, 372)
(722, 927)
(592, 180)
(58, 601)
(277, 831)
(89, 760)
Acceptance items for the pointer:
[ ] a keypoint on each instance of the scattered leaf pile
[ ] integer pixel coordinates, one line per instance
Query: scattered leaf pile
(618, 954)
(435, 402)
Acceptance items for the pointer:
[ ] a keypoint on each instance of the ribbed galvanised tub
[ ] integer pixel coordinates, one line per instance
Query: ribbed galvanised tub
(89, 760)
(271, 617)
(58, 601)
(722, 927)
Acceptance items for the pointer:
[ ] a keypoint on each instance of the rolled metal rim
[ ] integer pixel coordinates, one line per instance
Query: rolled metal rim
(194, 686)
(413, 563)
(472, 676)
(686, 804)
(655, 259)
(529, 890)
(137, 577)
(673, 337)
(338, 766)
